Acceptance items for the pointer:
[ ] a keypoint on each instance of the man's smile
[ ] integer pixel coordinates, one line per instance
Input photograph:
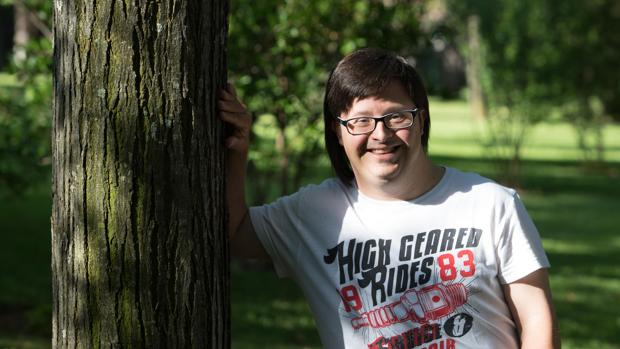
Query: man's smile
(384, 152)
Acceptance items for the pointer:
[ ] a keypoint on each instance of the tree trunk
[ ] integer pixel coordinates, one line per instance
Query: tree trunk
(474, 69)
(139, 244)
(7, 28)
(21, 32)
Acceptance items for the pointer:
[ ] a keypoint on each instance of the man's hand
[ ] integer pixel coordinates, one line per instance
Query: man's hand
(234, 112)
(244, 242)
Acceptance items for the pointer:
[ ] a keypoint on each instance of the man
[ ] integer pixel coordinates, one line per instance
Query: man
(397, 252)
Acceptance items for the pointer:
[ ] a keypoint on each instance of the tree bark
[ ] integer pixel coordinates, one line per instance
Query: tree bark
(139, 244)
(7, 28)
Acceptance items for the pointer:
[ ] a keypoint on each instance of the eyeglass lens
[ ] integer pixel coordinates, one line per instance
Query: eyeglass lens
(396, 120)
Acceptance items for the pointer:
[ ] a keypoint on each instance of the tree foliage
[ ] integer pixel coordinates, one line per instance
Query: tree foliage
(540, 59)
(25, 108)
(545, 56)
(280, 55)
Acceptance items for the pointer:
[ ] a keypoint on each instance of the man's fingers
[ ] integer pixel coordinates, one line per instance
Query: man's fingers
(231, 89)
(232, 111)
(225, 95)
(239, 120)
(230, 142)
(237, 144)
(228, 93)
(232, 106)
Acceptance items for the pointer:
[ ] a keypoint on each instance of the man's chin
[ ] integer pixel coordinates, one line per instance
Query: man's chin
(387, 174)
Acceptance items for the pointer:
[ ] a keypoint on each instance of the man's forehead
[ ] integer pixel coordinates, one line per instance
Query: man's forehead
(386, 101)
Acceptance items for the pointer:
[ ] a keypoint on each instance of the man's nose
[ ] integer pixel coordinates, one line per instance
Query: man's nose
(381, 131)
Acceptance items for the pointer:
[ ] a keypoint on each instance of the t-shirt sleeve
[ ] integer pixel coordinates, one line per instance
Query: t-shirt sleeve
(519, 248)
(276, 227)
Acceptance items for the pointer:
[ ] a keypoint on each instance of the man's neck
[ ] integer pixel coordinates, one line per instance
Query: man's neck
(409, 187)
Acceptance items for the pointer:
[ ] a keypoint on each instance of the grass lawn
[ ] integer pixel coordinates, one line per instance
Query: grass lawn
(575, 208)
(25, 276)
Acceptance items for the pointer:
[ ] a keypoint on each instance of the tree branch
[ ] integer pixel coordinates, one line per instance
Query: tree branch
(34, 19)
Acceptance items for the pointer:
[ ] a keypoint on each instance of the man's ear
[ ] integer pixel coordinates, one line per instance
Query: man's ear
(338, 130)
(422, 116)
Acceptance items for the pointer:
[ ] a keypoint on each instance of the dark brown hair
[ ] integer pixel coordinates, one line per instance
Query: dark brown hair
(362, 74)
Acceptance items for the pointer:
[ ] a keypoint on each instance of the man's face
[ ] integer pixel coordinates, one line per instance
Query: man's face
(384, 156)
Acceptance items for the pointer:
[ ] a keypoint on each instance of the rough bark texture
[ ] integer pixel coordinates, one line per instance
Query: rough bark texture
(139, 244)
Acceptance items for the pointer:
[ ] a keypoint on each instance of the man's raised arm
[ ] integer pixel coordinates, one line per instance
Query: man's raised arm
(244, 242)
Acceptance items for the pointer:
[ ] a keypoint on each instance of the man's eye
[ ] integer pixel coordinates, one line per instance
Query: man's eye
(360, 121)
(400, 116)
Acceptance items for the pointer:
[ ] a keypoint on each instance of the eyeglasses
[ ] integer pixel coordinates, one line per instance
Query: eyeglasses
(393, 121)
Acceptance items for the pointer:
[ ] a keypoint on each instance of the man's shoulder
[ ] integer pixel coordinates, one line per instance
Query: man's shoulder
(317, 200)
(328, 187)
(325, 193)
(475, 184)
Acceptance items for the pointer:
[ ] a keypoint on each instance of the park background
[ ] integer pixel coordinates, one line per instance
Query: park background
(524, 92)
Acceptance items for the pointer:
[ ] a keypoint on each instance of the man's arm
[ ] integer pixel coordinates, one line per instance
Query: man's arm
(244, 242)
(530, 303)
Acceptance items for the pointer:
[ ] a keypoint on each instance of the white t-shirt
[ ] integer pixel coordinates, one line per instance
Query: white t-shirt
(424, 273)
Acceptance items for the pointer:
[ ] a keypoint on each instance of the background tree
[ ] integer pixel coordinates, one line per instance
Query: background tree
(541, 60)
(25, 95)
(586, 86)
(512, 59)
(139, 247)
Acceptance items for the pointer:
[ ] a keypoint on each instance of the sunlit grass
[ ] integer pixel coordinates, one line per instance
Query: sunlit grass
(26, 342)
(7, 79)
(454, 132)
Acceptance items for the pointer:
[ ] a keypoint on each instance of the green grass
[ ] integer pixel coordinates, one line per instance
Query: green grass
(7, 80)
(269, 311)
(455, 133)
(579, 230)
(574, 206)
(25, 276)
(576, 213)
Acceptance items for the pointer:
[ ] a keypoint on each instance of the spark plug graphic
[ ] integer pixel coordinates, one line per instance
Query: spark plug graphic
(429, 303)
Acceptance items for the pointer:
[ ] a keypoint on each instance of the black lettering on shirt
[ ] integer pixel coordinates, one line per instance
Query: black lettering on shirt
(447, 240)
(432, 241)
(405, 248)
(419, 239)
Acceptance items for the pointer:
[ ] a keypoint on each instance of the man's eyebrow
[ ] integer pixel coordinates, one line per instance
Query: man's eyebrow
(361, 114)
(365, 113)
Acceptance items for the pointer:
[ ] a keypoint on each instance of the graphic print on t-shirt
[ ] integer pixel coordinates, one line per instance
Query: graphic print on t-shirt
(411, 295)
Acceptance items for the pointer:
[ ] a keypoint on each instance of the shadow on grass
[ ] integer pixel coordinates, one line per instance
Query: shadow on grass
(548, 176)
(25, 276)
(269, 312)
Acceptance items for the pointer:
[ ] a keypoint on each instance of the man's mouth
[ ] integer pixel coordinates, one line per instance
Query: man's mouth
(381, 151)
(384, 153)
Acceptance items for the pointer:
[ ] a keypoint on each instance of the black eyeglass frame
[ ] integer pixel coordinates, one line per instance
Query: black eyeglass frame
(413, 112)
